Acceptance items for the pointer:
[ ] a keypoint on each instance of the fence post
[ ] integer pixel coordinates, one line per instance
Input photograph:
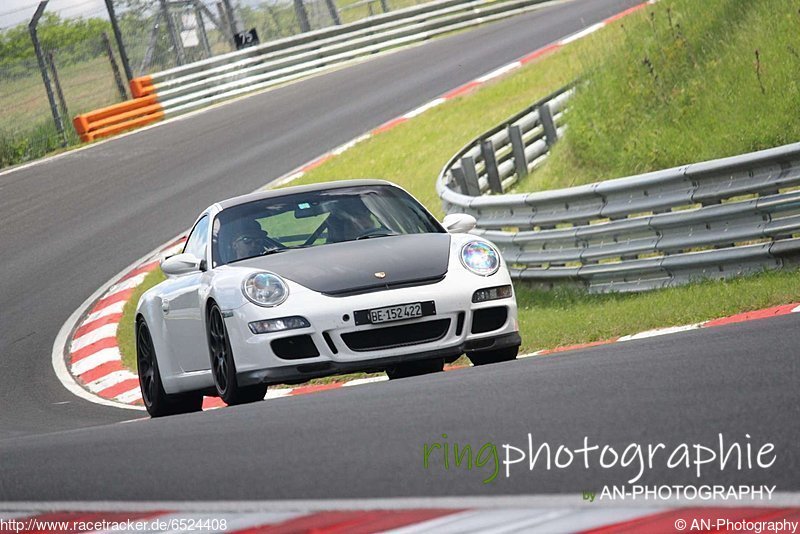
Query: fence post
(43, 69)
(59, 92)
(201, 26)
(492, 174)
(334, 12)
(224, 26)
(200, 6)
(231, 19)
(518, 150)
(173, 33)
(302, 16)
(385, 6)
(546, 118)
(471, 176)
(123, 55)
(114, 67)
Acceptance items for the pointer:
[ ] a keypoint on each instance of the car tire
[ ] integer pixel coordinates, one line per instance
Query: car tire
(423, 367)
(223, 367)
(486, 357)
(156, 401)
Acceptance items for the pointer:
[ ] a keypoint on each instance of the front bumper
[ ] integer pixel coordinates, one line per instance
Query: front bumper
(333, 325)
(307, 371)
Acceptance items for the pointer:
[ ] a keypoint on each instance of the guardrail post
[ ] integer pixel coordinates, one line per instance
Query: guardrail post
(461, 180)
(470, 176)
(518, 150)
(546, 118)
(492, 174)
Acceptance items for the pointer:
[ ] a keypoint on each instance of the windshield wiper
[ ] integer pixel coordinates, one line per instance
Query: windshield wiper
(272, 251)
(370, 236)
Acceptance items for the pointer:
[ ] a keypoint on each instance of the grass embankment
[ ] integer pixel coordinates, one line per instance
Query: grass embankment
(688, 81)
(702, 100)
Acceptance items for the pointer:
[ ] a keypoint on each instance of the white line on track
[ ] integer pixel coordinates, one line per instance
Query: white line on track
(661, 332)
(425, 107)
(499, 72)
(360, 381)
(583, 33)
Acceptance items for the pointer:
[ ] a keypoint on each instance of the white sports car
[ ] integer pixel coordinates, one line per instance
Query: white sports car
(291, 284)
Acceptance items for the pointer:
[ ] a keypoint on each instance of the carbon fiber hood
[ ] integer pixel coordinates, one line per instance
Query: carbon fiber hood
(345, 268)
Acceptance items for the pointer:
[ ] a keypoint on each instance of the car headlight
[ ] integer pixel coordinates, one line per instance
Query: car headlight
(265, 289)
(480, 258)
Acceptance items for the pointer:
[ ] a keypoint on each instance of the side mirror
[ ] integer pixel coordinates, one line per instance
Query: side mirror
(459, 223)
(180, 264)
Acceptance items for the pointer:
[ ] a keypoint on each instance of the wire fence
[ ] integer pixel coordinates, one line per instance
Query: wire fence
(86, 70)
(82, 77)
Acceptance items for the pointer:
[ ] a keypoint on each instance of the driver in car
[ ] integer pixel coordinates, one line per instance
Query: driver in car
(351, 221)
(251, 241)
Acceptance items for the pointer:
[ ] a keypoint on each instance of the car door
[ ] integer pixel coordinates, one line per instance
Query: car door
(183, 314)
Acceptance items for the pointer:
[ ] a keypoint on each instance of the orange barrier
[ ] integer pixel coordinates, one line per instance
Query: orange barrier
(142, 86)
(110, 120)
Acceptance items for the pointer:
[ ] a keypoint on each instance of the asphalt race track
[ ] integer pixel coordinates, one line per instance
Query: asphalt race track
(367, 441)
(72, 223)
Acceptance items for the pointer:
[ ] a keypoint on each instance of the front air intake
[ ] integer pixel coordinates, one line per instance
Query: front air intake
(396, 336)
(489, 319)
(295, 347)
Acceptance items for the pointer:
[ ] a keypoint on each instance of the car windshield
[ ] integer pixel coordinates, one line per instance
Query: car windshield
(316, 218)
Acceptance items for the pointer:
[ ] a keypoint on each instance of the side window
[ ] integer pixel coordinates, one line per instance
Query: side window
(198, 239)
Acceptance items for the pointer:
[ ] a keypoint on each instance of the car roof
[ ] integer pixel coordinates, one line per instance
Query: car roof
(276, 193)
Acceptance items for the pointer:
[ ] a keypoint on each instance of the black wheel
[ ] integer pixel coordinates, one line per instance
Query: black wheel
(486, 357)
(223, 367)
(423, 367)
(157, 402)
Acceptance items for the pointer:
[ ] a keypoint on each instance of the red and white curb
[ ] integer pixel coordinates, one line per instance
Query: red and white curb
(554, 520)
(86, 356)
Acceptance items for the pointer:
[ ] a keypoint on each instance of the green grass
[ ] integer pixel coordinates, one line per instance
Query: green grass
(125, 332)
(563, 317)
(694, 111)
(680, 83)
(413, 153)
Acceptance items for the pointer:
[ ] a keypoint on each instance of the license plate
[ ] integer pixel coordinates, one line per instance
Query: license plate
(398, 312)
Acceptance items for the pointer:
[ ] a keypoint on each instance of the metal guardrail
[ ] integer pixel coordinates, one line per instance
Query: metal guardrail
(219, 78)
(713, 219)
(229, 75)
